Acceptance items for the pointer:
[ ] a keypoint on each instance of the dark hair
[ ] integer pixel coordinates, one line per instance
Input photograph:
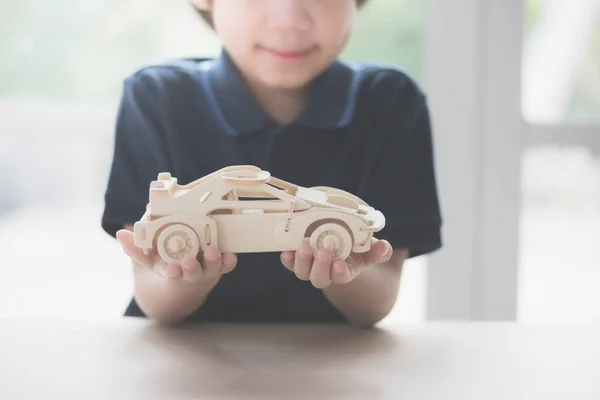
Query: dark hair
(207, 16)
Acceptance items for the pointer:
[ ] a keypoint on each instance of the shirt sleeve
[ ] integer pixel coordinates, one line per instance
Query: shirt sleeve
(403, 183)
(140, 153)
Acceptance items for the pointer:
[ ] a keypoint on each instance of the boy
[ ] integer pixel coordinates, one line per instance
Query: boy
(277, 97)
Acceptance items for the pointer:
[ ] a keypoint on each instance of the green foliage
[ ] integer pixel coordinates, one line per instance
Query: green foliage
(533, 9)
(80, 50)
(584, 105)
(390, 31)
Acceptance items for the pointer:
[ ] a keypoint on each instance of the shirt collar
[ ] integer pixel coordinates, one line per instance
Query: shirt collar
(331, 101)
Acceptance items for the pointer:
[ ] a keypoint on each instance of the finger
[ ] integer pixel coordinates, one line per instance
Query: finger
(163, 269)
(320, 274)
(229, 263)
(172, 271)
(126, 239)
(212, 262)
(340, 273)
(303, 262)
(287, 259)
(192, 269)
(381, 251)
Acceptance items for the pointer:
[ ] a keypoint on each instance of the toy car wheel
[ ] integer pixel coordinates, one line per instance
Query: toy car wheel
(177, 242)
(334, 237)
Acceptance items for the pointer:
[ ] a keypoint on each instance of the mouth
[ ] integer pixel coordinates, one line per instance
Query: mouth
(288, 55)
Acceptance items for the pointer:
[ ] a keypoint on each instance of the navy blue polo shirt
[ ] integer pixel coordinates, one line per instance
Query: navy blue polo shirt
(365, 129)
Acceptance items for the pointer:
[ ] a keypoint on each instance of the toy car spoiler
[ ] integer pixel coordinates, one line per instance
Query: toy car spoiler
(377, 224)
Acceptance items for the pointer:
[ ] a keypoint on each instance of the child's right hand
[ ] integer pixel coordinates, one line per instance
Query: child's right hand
(214, 264)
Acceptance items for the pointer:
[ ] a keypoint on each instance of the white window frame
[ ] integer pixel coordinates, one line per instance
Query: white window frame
(565, 134)
(473, 80)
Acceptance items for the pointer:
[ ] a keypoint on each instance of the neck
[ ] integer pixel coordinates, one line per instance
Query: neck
(283, 106)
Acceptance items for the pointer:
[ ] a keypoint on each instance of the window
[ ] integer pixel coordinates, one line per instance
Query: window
(481, 148)
(560, 211)
(561, 68)
(245, 195)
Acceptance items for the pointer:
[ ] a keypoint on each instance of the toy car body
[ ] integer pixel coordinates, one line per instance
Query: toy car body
(241, 209)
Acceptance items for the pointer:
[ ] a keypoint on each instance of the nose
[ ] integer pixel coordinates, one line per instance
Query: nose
(288, 14)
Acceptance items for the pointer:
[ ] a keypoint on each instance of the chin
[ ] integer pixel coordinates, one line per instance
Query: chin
(287, 81)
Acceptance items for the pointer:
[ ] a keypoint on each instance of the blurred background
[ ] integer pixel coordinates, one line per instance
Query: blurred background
(62, 67)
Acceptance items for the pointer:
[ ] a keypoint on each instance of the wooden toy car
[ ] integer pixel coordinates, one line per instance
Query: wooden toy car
(242, 209)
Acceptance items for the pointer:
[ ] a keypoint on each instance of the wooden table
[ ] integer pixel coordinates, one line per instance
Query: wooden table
(134, 359)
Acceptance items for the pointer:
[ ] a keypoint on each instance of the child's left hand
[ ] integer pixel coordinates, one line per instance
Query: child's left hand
(322, 271)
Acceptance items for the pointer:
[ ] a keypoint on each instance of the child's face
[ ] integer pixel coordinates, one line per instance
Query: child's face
(282, 43)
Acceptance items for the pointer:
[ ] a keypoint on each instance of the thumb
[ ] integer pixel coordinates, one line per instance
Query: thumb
(381, 251)
(126, 239)
(386, 252)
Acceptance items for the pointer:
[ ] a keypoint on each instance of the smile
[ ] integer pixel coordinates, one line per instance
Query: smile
(288, 55)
